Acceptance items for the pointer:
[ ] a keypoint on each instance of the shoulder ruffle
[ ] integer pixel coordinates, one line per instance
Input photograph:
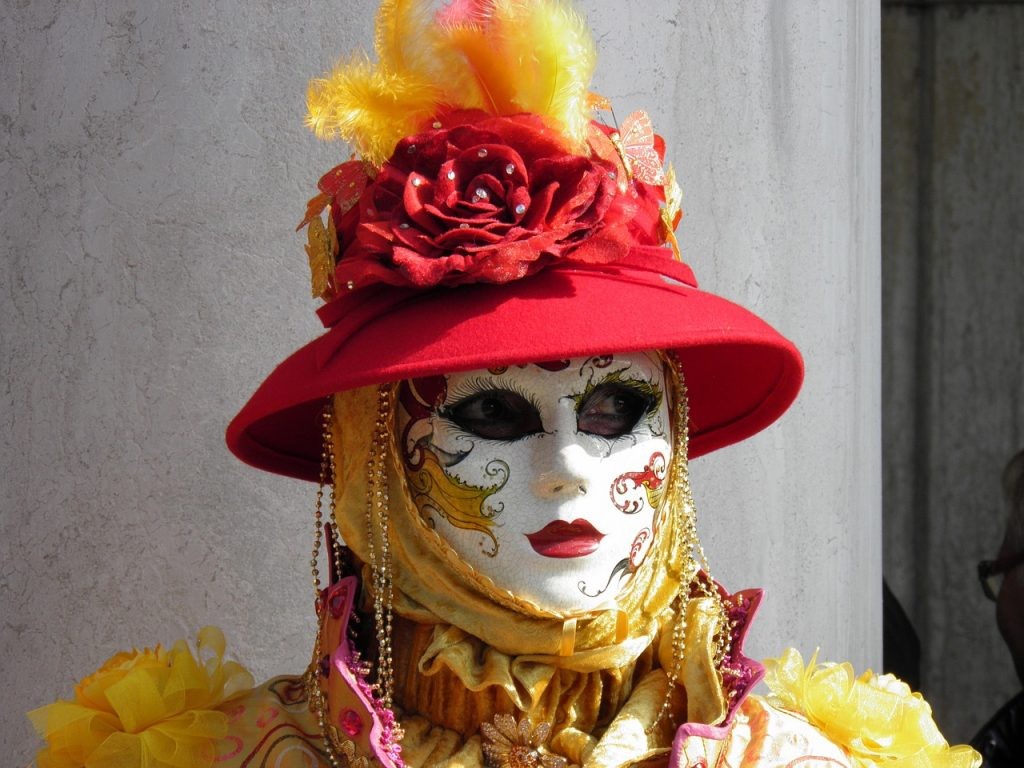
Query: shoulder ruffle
(156, 707)
(876, 719)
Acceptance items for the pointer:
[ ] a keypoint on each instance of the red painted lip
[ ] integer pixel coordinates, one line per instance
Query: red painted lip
(561, 539)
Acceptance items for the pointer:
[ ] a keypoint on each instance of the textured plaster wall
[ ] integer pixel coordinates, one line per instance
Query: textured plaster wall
(953, 265)
(154, 165)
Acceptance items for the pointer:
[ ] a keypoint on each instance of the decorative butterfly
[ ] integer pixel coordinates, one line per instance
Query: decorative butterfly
(606, 149)
(341, 187)
(321, 247)
(671, 211)
(598, 103)
(635, 144)
(344, 183)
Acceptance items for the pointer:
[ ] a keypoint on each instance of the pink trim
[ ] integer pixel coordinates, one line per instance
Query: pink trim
(747, 672)
(383, 744)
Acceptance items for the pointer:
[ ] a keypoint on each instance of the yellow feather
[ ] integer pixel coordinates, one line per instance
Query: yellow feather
(405, 37)
(530, 56)
(460, 86)
(505, 56)
(369, 108)
(557, 47)
(492, 75)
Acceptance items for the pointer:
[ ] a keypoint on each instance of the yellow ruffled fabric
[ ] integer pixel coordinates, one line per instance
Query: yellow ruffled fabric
(878, 720)
(153, 708)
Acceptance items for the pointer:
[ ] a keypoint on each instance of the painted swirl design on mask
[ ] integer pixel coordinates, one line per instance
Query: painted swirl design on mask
(631, 489)
(637, 551)
(434, 491)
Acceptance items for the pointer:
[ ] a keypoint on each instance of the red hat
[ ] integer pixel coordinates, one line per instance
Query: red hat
(500, 236)
(740, 373)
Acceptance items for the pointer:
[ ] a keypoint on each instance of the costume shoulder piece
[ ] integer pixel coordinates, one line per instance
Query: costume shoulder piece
(826, 715)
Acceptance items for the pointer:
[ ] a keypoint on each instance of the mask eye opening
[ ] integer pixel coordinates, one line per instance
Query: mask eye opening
(494, 414)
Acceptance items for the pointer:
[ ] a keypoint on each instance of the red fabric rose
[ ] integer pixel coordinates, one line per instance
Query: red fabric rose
(489, 201)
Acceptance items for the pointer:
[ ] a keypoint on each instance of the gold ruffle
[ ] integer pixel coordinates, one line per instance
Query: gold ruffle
(456, 682)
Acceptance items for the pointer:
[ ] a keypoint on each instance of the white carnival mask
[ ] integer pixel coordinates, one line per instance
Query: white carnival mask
(546, 478)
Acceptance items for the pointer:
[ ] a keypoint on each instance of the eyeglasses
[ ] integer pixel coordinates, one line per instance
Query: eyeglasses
(990, 573)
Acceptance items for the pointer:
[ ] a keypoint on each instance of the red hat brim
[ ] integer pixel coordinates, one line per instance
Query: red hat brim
(740, 373)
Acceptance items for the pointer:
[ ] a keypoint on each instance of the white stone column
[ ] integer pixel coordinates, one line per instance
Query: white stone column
(771, 115)
(155, 164)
